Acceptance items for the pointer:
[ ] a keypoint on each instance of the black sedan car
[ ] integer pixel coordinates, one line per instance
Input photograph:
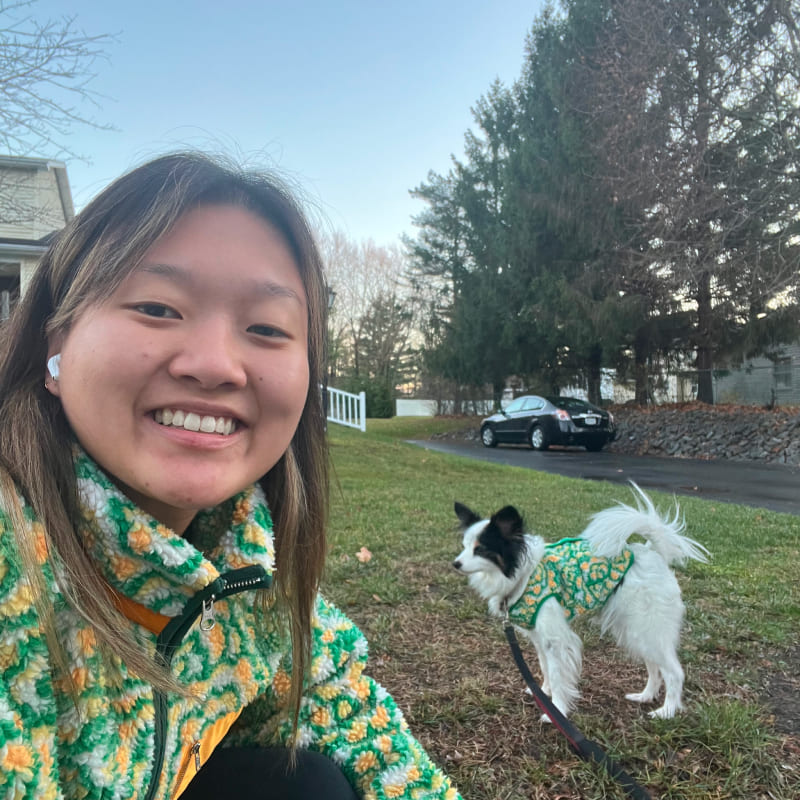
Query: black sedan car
(542, 421)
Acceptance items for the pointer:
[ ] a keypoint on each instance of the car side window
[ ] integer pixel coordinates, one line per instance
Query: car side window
(533, 404)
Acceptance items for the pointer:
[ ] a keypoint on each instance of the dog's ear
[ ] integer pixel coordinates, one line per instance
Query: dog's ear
(509, 523)
(466, 516)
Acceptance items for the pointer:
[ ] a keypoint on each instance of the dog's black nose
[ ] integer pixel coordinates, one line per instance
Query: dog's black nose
(457, 564)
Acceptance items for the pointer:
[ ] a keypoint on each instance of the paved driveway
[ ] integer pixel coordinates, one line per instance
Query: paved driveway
(770, 486)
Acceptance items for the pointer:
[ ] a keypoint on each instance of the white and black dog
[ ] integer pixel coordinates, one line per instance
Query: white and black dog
(630, 587)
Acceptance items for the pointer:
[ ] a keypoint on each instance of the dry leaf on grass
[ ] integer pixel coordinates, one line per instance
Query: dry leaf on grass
(364, 555)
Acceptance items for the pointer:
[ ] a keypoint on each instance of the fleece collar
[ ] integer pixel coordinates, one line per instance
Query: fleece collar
(151, 564)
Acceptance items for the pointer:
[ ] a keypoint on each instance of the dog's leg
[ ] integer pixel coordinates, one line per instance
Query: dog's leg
(652, 687)
(672, 672)
(644, 615)
(561, 653)
(540, 655)
(545, 686)
(542, 665)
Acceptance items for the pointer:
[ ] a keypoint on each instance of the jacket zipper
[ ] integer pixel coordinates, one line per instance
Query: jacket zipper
(194, 750)
(168, 641)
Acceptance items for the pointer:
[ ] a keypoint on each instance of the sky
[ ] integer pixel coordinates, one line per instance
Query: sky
(353, 102)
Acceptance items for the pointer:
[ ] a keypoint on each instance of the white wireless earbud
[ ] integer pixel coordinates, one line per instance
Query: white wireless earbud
(53, 364)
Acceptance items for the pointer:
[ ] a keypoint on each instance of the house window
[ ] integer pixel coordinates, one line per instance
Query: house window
(9, 294)
(783, 373)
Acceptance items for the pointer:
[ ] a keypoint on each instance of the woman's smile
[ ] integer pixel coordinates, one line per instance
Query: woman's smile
(190, 421)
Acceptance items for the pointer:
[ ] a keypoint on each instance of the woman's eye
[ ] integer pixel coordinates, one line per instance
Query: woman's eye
(156, 310)
(266, 330)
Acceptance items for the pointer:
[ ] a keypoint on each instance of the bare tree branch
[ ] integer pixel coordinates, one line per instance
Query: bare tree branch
(46, 71)
(370, 295)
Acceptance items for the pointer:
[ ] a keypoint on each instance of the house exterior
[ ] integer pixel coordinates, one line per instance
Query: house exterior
(759, 381)
(762, 381)
(35, 203)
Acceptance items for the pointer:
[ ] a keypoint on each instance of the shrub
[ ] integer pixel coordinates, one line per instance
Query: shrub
(380, 395)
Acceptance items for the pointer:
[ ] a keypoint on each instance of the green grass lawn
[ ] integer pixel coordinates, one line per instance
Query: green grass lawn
(448, 665)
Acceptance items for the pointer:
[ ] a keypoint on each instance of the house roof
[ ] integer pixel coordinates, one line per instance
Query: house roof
(13, 250)
(59, 168)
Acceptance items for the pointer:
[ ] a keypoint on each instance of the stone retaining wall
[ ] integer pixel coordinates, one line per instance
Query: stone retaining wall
(744, 433)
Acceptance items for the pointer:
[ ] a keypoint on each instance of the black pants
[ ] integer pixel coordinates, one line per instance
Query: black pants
(255, 773)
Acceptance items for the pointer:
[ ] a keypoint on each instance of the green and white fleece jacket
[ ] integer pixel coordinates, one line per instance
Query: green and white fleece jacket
(124, 740)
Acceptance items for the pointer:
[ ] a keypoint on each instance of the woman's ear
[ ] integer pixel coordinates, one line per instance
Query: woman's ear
(53, 373)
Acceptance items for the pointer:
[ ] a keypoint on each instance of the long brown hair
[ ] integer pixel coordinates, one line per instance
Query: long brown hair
(85, 264)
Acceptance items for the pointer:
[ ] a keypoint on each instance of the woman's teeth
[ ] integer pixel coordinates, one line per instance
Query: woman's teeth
(190, 421)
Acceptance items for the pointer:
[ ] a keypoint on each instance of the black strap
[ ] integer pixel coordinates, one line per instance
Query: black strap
(585, 748)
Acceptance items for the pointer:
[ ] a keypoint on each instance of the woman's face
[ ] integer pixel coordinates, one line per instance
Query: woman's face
(187, 385)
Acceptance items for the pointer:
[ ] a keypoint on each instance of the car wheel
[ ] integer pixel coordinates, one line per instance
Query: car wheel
(594, 447)
(537, 438)
(487, 436)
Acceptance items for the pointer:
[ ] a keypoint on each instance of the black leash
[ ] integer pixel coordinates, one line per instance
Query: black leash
(585, 748)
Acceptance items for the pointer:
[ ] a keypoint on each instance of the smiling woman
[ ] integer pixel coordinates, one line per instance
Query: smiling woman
(163, 479)
(201, 346)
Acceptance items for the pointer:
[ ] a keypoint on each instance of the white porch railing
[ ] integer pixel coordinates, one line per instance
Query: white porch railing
(345, 408)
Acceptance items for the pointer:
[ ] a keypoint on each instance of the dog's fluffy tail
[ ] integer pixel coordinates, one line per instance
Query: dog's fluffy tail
(609, 531)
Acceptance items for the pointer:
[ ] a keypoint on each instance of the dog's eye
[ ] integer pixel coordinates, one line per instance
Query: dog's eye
(480, 551)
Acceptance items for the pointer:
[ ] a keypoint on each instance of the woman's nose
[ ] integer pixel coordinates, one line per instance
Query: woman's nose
(211, 354)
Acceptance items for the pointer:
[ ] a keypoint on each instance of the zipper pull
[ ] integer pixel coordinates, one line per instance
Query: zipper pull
(196, 751)
(207, 621)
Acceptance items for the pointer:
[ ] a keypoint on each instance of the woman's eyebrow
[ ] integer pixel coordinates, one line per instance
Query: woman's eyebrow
(182, 275)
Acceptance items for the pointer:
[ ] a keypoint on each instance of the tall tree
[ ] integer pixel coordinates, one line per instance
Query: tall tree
(592, 307)
(633, 200)
(387, 351)
(439, 255)
(552, 239)
(463, 247)
(695, 103)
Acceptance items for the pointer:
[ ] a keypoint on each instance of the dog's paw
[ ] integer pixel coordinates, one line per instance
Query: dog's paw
(639, 697)
(664, 712)
(529, 699)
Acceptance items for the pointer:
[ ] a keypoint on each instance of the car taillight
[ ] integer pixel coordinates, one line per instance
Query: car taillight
(562, 415)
